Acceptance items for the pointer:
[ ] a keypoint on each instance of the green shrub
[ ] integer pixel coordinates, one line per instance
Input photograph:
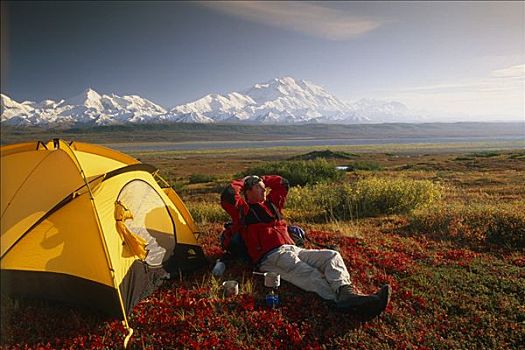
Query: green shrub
(502, 225)
(178, 187)
(314, 203)
(517, 156)
(376, 196)
(368, 197)
(485, 154)
(203, 212)
(299, 173)
(201, 178)
(326, 154)
(371, 166)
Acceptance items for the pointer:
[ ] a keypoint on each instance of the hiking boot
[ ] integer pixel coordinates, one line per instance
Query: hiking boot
(383, 295)
(363, 306)
(348, 299)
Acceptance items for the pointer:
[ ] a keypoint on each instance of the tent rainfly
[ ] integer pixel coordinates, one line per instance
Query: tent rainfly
(90, 226)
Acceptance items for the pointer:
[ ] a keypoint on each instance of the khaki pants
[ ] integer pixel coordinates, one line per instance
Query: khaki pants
(321, 271)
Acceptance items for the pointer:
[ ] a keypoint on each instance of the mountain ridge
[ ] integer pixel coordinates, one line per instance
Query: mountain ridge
(283, 100)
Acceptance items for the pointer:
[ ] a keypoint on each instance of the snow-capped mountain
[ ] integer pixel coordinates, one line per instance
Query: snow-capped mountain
(87, 108)
(281, 100)
(217, 107)
(278, 101)
(381, 111)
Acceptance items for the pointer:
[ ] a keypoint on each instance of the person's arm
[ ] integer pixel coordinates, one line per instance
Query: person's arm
(232, 201)
(279, 189)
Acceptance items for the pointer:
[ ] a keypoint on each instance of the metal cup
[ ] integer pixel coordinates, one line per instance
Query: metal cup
(272, 280)
(230, 288)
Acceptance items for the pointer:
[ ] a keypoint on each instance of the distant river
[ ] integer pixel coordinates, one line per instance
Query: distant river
(203, 145)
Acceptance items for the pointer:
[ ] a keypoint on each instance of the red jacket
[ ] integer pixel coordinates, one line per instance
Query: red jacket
(261, 224)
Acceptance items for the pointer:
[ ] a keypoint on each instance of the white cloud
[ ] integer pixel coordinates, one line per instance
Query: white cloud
(304, 17)
(517, 71)
(498, 95)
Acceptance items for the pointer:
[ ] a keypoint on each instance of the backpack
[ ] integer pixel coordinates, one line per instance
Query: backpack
(233, 244)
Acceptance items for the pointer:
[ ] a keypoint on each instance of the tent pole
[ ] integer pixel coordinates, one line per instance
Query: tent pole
(106, 251)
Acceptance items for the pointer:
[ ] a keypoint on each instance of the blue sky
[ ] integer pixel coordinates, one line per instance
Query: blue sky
(448, 58)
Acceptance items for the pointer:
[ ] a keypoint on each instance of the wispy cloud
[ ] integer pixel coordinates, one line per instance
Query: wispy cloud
(308, 18)
(508, 78)
(513, 72)
(500, 93)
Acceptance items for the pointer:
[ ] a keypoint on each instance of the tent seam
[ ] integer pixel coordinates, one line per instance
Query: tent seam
(22, 184)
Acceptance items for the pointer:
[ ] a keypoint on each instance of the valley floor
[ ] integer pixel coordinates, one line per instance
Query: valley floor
(453, 289)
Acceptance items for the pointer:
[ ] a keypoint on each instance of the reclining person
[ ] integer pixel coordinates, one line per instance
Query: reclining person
(258, 217)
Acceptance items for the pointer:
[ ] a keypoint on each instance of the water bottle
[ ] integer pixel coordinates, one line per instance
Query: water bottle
(272, 300)
(219, 268)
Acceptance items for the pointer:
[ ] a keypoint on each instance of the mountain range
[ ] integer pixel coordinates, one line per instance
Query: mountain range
(282, 100)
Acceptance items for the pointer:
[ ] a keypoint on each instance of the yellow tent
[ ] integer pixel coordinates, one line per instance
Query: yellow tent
(87, 225)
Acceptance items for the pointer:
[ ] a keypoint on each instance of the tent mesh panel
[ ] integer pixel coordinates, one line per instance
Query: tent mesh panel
(143, 200)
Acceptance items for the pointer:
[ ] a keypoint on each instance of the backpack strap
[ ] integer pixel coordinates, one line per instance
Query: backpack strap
(269, 209)
(242, 218)
(275, 211)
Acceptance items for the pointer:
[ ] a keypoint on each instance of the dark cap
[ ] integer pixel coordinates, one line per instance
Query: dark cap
(250, 181)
